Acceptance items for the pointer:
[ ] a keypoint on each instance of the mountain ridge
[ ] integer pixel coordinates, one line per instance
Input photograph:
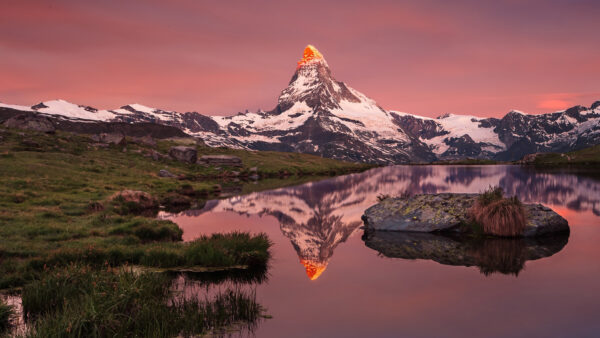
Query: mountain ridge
(319, 115)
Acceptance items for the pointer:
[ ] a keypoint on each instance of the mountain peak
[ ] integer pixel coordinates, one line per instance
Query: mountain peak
(310, 55)
(314, 269)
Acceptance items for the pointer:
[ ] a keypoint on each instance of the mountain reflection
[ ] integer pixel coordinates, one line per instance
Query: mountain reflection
(317, 216)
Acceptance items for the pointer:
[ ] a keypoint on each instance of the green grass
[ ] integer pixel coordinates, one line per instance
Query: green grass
(6, 314)
(61, 234)
(83, 302)
(54, 198)
(583, 157)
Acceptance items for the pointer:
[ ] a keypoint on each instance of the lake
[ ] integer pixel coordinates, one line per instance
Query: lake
(327, 280)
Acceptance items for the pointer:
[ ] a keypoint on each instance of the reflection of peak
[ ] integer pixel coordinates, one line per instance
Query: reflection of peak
(314, 269)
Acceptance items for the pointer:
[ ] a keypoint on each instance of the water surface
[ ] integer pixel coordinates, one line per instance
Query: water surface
(324, 281)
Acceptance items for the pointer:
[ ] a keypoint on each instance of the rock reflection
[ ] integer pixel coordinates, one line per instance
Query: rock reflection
(318, 216)
(490, 255)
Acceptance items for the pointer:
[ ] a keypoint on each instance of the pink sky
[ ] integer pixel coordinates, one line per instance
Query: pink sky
(423, 57)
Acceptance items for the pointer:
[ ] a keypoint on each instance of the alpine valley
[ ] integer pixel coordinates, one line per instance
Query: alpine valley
(317, 114)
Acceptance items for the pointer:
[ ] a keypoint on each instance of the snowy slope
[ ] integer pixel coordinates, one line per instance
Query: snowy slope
(317, 114)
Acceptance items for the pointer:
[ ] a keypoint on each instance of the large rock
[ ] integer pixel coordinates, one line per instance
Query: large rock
(184, 154)
(503, 255)
(31, 122)
(221, 160)
(165, 173)
(448, 212)
(145, 140)
(110, 138)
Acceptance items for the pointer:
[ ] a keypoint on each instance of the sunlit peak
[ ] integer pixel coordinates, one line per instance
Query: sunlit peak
(313, 269)
(310, 54)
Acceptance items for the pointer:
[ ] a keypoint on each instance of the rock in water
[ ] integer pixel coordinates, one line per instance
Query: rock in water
(449, 212)
(184, 154)
(31, 122)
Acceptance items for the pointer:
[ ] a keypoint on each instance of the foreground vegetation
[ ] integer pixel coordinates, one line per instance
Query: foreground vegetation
(92, 263)
(6, 314)
(84, 302)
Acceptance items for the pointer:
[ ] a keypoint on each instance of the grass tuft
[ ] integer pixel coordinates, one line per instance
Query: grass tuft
(497, 215)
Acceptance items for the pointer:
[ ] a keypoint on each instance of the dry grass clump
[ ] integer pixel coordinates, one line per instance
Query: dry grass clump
(497, 215)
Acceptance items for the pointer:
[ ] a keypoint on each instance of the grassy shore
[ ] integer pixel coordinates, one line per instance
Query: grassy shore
(584, 157)
(54, 203)
(59, 225)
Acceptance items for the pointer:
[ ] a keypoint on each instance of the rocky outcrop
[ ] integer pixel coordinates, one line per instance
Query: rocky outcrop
(145, 141)
(31, 122)
(184, 154)
(490, 255)
(448, 212)
(165, 173)
(110, 138)
(220, 160)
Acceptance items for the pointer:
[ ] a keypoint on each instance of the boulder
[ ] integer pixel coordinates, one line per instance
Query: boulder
(448, 212)
(156, 156)
(110, 138)
(165, 173)
(33, 122)
(184, 154)
(220, 160)
(145, 140)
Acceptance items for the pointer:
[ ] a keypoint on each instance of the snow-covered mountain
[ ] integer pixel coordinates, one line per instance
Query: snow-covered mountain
(319, 115)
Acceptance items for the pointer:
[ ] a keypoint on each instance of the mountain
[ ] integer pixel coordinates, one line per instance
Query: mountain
(317, 114)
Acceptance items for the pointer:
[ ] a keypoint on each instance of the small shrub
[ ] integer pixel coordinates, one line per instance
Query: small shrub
(95, 206)
(503, 217)
(150, 230)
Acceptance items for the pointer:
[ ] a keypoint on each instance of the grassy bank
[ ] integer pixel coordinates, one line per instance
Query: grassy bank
(67, 242)
(83, 302)
(580, 158)
(55, 190)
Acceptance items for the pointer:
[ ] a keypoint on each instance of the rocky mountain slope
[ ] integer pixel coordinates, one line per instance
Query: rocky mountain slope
(319, 115)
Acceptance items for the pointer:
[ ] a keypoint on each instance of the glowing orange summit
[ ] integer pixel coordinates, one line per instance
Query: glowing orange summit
(310, 54)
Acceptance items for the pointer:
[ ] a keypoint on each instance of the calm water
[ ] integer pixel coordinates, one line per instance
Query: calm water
(324, 281)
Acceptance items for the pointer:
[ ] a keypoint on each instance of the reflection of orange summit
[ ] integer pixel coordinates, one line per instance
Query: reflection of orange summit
(310, 54)
(313, 269)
